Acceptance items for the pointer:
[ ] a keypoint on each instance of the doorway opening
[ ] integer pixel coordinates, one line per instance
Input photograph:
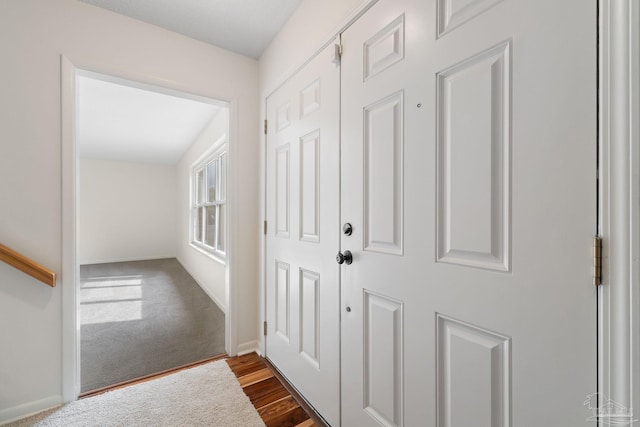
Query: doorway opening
(151, 228)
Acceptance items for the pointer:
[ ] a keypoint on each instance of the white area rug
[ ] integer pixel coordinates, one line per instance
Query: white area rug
(207, 395)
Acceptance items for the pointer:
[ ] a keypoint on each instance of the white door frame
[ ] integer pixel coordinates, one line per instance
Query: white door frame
(619, 210)
(70, 270)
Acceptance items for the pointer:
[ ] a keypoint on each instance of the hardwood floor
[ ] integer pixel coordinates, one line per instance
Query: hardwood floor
(275, 403)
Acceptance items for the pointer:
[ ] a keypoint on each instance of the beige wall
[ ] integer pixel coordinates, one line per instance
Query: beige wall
(35, 33)
(126, 211)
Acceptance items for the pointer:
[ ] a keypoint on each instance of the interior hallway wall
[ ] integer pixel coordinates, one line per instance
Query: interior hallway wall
(35, 33)
(126, 211)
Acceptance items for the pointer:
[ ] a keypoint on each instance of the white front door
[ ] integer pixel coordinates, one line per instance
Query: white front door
(468, 174)
(303, 293)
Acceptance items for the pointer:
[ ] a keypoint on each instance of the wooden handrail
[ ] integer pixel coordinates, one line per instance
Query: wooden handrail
(27, 266)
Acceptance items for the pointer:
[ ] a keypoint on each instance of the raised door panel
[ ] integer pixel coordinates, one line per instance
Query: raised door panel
(383, 359)
(283, 117)
(310, 187)
(384, 49)
(310, 99)
(283, 298)
(473, 128)
(383, 169)
(310, 316)
(454, 13)
(474, 375)
(282, 190)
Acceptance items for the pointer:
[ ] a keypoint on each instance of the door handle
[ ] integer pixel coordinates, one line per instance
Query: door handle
(347, 257)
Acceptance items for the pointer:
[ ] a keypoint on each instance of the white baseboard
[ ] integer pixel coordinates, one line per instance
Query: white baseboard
(249, 347)
(123, 259)
(16, 413)
(215, 299)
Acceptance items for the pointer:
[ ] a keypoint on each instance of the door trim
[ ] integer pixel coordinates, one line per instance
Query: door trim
(618, 209)
(69, 70)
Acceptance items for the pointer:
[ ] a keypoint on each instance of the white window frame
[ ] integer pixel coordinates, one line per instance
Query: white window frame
(199, 202)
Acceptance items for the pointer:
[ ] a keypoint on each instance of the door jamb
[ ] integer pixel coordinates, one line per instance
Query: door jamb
(618, 207)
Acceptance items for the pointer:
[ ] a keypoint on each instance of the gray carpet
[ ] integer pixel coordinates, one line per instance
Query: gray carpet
(142, 317)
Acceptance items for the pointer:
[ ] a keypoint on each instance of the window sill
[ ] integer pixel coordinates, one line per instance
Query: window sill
(208, 254)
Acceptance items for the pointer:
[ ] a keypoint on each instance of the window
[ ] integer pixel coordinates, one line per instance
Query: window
(208, 204)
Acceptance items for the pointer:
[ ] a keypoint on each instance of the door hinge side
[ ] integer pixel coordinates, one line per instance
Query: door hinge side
(264, 226)
(265, 126)
(597, 260)
(265, 328)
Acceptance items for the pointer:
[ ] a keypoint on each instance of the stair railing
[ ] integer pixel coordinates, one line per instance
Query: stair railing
(27, 266)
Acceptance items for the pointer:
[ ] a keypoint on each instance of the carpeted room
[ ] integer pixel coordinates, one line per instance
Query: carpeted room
(142, 317)
(151, 249)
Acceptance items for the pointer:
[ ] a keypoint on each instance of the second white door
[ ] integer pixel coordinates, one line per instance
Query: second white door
(468, 162)
(303, 172)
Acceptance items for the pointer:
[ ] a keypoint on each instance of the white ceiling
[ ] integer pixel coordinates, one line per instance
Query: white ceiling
(121, 122)
(242, 26)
